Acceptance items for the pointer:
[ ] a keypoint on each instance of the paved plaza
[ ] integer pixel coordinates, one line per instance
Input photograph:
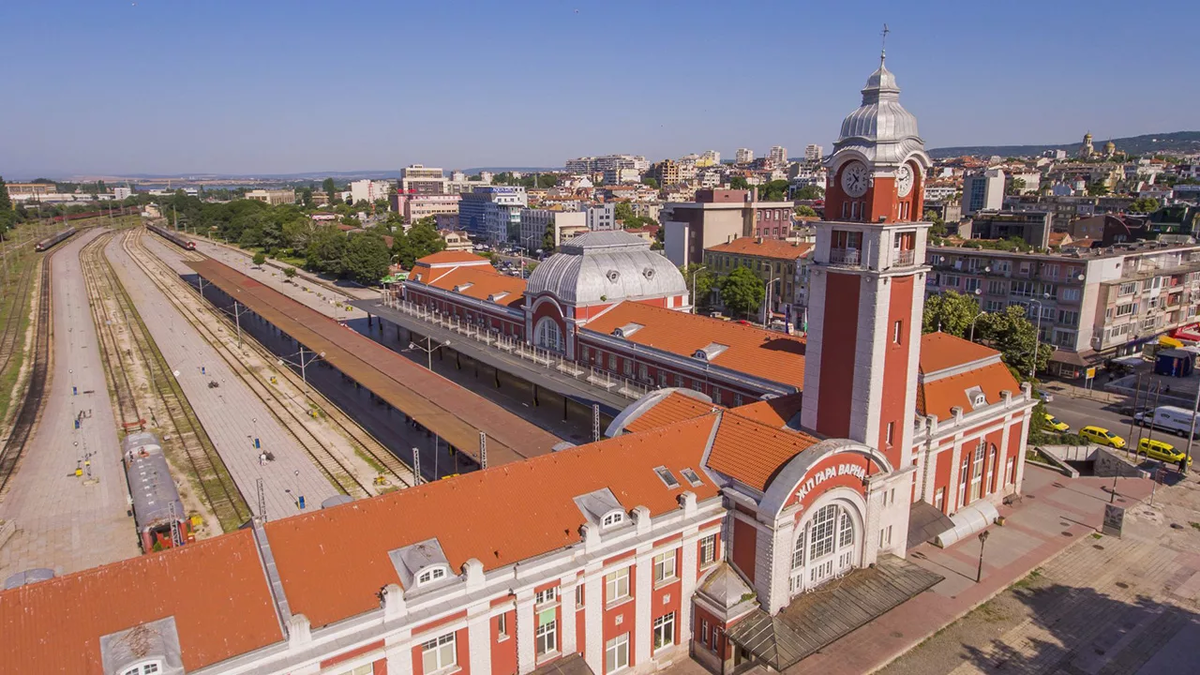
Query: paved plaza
(63, 522)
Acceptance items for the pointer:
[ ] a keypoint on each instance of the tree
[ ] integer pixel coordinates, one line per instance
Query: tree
(939, 225)
(949, 312)
(306, 198)
(803, 211)
(366, 258)
(328, 187)
(422, 239)
(289, 272)
(1097, 189)
(742, 292)
(810, 192)
(1016, 186)
(259, 258)
(7, 216)
(651, 181)
(1014, 336)
(548, 239)
(325, 252)
(704, 282)
(738, 183)
(773, 191)
(1144, 205)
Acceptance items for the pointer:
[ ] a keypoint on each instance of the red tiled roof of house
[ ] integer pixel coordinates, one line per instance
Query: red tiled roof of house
(940, 351)
(1057, 239)
(215, 589)
(753, 452)
(764, 248)
(675, 407)
(775, 412)
(499, 516)
(483, 281)
(937, 397)
(773, 356)
(448, 257)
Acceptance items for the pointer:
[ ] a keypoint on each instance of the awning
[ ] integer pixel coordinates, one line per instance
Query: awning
(1080, 359)
(815, 620)
(925, 523)
(1169, 342)
(968, 521)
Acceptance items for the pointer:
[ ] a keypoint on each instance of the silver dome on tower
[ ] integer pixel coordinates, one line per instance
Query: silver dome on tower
(881, 129)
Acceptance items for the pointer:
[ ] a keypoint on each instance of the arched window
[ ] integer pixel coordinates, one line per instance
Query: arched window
(431, 575)
(825, 548)
(612, 518)
(549, 335)
(144, 668)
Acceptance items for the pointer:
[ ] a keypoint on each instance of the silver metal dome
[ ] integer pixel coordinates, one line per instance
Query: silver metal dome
(599, 267)
(881, 129)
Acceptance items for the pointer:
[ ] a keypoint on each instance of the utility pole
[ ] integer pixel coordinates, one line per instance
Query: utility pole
(1192, 427)
(1133, 412)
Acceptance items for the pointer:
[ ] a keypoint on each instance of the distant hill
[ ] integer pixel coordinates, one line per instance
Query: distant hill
(1178, 142)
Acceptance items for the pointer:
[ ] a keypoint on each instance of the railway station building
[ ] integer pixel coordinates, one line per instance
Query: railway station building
(762, 467)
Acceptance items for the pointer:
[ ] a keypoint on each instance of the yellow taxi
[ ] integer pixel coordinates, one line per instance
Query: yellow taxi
(1102, 436)
(1056, 424)
(1160, 450)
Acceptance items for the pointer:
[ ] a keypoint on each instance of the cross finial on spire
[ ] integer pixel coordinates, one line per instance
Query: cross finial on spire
(883, 44)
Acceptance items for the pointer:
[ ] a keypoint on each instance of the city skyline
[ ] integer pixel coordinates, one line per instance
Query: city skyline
(239, 92)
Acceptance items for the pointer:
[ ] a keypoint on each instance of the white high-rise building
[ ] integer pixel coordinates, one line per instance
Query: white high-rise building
(813, 152)
(778, 154)
(983, 192)
(369, 190)
(744, 156)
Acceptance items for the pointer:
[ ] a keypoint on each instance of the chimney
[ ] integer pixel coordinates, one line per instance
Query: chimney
(754, 193)
(758, 240)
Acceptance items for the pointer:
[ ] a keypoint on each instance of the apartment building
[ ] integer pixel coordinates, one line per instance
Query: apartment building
(983, 191)
(369, 191)
(782, 266)
(423, 180)
(418, 206)
(492, 214)
(273, 197)
(1032, 227)
(602, 217)
(1091, 304)
(743, 156)
(536, 222)
(718, 216)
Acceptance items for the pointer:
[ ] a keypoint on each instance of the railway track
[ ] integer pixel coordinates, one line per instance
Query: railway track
(220, 492)
(326, 458)
(18, 308)
(31, 405)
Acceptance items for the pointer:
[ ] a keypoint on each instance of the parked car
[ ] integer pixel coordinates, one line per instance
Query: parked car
(1102, 436)
(1056, 424)
(1179, 421)
(1046, 396)
(1161, 450)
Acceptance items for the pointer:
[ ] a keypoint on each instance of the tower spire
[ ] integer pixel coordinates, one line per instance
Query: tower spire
(883, 44)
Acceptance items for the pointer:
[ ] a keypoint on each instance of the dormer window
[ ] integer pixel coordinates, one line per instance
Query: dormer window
(144, 668)
(431, 575)
(980, 399)
(612, 518)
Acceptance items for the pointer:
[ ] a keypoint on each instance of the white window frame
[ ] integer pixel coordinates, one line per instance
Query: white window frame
(616, 586)
(546, 596)
(664, 631)
(144, 668)
(430, 575)
(443, 658)
(612, 519)
(664, 567)
(708, 551)
(501, 627)
(616, 654)
(546, 638)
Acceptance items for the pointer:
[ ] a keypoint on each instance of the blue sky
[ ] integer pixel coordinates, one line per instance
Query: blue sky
(177, 86)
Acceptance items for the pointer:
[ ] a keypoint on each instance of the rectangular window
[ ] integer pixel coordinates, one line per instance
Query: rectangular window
(997, 287)
(897, 332)
(737, 400)
(1127, 289)
(502, 626)
(664, 567)
(612, 362)
(546, 596)
(1069, 295)
(643, 372)
(546, 636)
(616, 654)
(1125, 310)
(972, 284)
(1068, 318)
(579, 596)
(704, 632)
(708, 550)
(439, 654)
(664, 631)
(616, 586)
(891, 433)
(627, 367)
(678, 380)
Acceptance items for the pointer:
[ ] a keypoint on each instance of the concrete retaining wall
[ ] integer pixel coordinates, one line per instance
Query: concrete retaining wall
(1114, 463)
(1071, 453)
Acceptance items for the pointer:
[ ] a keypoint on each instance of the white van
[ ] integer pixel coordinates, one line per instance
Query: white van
(1169, 418)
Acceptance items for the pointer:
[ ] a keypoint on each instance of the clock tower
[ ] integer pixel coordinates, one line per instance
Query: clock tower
(868, 279)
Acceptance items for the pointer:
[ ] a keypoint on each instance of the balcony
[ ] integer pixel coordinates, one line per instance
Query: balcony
(905, 258)
(844, 256)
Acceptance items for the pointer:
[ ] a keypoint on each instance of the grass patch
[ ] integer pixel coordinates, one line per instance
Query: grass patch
(1195, 526)
(1029, 579)
(1038, 456)
(1097, 535)
(18, 303)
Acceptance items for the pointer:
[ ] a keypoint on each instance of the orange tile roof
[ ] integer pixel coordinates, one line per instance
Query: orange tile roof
(675, 407)
(450, 257)
(937, 397)
(499, 515)
(774, 412)
(940, 351)
(215, 589)
(484, 281)
(764, 248)
(753, 452)
(771, 355)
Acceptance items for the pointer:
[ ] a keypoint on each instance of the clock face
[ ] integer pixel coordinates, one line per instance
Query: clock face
(904, 180)
(855, 179)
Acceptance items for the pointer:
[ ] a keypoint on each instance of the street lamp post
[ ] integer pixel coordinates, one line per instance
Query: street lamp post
(429, 349)
(973, 324)
(983, 537)
(303, 364)
(1037, 339)
(694, 273)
